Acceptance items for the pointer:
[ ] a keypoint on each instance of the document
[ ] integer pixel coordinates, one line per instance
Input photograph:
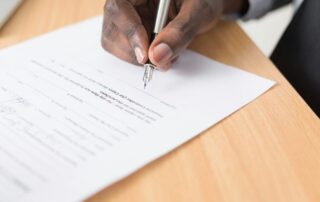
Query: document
(75, 119)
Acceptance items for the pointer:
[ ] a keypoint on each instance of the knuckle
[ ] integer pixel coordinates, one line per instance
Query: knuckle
(207, 5)
(121, 52)
(108, 36)
(184, 30)
(105, 44)
(132, 29)
(133, 59)
(181, 25)
(110, 31)
(111, 8)
(208, 9)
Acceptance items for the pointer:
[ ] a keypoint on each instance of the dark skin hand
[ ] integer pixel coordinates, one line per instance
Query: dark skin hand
(128, 24)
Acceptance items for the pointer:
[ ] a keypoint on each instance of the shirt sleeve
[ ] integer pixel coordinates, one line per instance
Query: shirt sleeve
(258, 8)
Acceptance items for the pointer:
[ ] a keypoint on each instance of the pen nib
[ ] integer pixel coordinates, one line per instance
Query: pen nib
(147, 76)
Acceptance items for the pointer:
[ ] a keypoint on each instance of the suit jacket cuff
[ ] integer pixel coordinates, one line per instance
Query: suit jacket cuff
(258, 8)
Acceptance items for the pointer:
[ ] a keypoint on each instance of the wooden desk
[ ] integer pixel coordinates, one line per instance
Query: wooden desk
(267, 151)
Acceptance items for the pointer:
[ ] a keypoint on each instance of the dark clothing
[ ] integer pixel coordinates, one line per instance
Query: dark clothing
(298, 52)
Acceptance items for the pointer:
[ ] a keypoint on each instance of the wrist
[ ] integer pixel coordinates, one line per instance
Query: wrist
(239, 7)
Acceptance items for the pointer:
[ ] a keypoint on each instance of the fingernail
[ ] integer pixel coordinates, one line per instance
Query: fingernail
(139, 55)
(162, 53)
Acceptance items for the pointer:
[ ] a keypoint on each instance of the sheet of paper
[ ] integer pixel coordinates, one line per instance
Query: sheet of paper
(74, 119)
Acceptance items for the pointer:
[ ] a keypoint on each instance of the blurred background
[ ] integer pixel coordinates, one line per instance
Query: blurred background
(266, 32)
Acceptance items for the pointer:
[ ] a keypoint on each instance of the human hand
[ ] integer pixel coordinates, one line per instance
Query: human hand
(128, 24)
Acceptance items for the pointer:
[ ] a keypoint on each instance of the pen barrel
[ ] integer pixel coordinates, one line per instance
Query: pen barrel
(152, 37)
(162, 15)
(161, 20)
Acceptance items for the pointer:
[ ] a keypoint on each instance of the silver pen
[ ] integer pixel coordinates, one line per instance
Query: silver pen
(161, 20)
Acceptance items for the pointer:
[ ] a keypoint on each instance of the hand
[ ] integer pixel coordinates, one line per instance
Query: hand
(128, 23)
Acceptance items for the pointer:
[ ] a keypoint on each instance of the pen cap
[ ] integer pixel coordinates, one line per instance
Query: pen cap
(162, 15)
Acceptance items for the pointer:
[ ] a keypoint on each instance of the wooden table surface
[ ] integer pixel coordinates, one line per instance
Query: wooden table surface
(267, 151)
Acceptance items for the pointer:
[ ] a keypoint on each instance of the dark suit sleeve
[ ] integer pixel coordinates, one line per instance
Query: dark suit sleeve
(258, 8)
(279, 3)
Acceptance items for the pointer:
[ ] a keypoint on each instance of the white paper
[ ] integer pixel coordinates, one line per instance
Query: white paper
(74, 119)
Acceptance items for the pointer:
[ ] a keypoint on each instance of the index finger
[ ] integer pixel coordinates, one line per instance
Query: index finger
(124, 15)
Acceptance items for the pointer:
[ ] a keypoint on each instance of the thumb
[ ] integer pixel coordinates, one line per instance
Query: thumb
(175, 37)
(194, 17)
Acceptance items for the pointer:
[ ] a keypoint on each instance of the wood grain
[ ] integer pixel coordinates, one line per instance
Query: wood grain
(267, 151)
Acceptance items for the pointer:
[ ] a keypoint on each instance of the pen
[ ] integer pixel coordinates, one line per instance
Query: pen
(161, 19)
